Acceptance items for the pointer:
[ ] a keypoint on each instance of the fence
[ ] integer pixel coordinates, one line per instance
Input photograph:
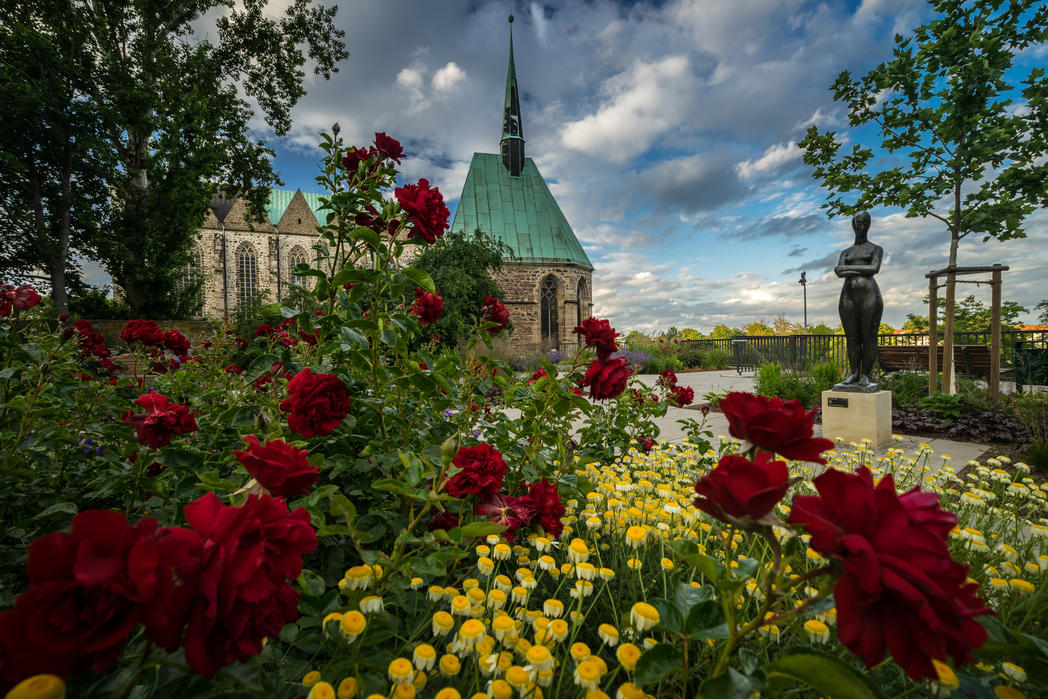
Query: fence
(800, 352)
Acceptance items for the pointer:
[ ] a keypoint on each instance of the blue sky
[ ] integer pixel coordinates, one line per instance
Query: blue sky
(667, 132)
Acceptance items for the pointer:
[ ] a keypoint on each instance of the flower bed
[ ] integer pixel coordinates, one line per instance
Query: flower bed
(336, 506)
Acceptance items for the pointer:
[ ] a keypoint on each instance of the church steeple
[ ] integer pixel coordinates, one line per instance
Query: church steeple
(512, 127)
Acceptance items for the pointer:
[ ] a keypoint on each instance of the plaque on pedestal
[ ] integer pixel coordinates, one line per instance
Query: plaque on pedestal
(857, 416)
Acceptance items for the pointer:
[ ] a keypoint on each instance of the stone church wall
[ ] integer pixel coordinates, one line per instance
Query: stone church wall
(521, 284)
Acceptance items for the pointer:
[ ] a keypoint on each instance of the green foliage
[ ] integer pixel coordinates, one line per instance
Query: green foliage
(1032, 411)
(690, 355)
(460, 265)
(970, 315)
(773, 380)
(907, 387)
(95, 303)
(723, 332)
(1042, 306)
(944, 406)
(717, 358)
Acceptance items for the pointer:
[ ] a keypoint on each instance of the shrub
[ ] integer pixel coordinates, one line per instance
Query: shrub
(717, 358)
(772, 380)
(907, 387)
(944, 406)
(690, 355)
(1032, 410)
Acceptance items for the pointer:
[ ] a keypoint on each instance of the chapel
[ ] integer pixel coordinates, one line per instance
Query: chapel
(547, 278)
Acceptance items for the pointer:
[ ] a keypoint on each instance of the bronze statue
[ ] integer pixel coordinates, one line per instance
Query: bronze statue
(860, 306)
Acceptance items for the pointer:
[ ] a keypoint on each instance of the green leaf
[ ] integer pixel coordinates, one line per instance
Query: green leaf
(353, 339)
(340, 506)
(367, 235)
(422, 278)
(261, 365)
(180, 459)
(706, 620)
(66, 507)
(658, 663)
(822, 672)
(730, 685)
(311, 583)
(670, 617)
(396, 487)
(34, 352)
(475, 530)
(687, 596)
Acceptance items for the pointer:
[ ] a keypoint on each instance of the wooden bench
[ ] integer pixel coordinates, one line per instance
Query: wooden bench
(971, 360)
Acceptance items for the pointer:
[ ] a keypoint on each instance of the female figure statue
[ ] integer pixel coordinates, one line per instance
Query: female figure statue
(860, 306)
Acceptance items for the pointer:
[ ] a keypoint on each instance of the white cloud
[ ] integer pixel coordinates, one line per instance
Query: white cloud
(411, 80)
(643, 102)
(448, 78)
(773, 158)
(538, 18)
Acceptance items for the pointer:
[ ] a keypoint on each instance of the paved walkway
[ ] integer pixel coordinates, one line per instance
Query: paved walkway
(703, 382)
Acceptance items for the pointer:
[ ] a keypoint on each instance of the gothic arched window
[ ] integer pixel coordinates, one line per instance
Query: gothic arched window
(580, 296)
(550, 328)
(247, 273)
(297, 257)
(191, 272)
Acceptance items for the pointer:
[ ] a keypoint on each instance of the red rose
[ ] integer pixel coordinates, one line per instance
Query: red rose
(647, 445)
(606, 379)
(317, 403)
(176, 342)
(667, 378)
(899, 591)
(145, 331)
(577, 391)
(682, 395)
(388, 147)
(428, 307)
(278, 467)
(21, 298)
(264, 330)
(25, 297)
(600, 335)
(354, 157)
(88, 590)
(774, 425)
(425, 209)
(511, 512)
(444, 519)
(161, 421)
(740, 489)
(539, 373)
(548, 506)
(481, 474)
(240, 344)
(234, 369)
(236, 595)
(495, 312)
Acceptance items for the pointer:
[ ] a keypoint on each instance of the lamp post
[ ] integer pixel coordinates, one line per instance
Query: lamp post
(804, 285)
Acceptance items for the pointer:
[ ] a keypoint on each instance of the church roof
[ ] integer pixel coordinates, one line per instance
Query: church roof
(519, 211)
(279, 199)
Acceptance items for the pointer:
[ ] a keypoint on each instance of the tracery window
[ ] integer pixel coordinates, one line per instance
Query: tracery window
(247, 273)
(550, 328)
(297, 257)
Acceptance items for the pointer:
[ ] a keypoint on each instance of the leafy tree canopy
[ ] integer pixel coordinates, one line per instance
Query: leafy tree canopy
(461, 264)
(723, 332)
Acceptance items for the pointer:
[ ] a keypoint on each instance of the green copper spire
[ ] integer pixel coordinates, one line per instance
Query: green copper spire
(512, 126)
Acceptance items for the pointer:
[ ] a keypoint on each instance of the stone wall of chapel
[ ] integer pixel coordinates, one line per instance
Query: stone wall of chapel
(220, 283)
(520, 282)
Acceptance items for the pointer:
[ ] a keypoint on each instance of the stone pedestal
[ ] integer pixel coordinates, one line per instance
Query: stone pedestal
(857, 416)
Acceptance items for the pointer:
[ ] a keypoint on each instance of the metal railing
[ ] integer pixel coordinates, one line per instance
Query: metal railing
(800, 352)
